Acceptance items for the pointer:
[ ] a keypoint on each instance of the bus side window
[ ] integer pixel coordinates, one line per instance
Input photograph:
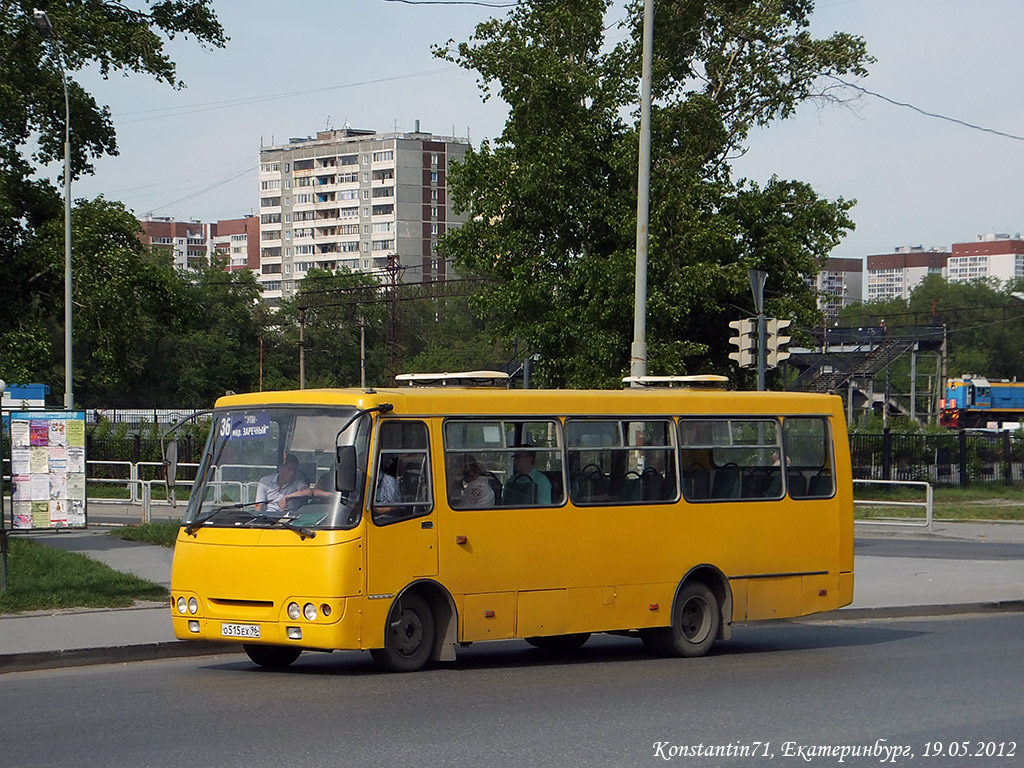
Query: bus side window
(808, 450)
(402, 483)
(621, 461)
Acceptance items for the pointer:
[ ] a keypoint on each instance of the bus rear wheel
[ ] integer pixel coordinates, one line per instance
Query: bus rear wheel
(408, 636)
(559, 643)
(271, 656)
(694, 623)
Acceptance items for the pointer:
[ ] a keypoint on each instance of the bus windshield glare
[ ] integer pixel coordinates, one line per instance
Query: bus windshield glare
(274, 465)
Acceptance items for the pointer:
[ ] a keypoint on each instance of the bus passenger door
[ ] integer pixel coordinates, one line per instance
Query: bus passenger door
(402, 534)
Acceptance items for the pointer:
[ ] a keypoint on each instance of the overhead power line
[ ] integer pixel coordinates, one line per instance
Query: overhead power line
(926, 113)
(454, 2)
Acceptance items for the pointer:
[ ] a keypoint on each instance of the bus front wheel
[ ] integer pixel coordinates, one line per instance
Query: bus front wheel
(694, 623)
(408, 636)
(271, 656)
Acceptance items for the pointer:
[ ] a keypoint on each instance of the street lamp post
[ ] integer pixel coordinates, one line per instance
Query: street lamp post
(42, 22)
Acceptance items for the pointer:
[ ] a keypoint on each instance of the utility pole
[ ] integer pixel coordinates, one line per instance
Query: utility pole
(638, 352)
(758, 278)
(302, 348)
(393, 354)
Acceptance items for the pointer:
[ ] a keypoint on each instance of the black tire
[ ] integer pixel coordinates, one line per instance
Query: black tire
(695, 623)
(408, 636)
(272, 656)
(559, 643)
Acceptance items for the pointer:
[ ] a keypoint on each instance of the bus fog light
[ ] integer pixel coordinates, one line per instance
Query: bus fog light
(193, 606)
(309, 611)
(294, 633)
(293, 611)
(182, 605)
(193, 626)
(325, 609)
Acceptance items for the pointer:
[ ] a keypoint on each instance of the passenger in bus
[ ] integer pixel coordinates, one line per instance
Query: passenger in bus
(275, 493)
(475, 490)
(387, 485)
(528, 484)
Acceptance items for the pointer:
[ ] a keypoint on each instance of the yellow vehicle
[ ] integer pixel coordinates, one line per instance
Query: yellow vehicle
(423, 518)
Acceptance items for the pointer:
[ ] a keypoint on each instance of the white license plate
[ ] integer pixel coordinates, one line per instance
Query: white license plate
(240, 630)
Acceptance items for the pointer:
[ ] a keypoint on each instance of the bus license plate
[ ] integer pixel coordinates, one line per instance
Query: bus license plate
(240, 630)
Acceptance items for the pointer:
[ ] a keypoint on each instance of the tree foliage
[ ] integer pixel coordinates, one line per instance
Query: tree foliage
(124, 299)
(554, 197)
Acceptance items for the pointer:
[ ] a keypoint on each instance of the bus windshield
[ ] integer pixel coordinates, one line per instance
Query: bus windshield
(274, 465)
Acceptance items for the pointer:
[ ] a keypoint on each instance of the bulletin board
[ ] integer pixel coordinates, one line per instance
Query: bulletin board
(47, 470)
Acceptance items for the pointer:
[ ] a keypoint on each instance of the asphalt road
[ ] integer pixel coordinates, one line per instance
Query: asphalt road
(951, 549)
(773, 690)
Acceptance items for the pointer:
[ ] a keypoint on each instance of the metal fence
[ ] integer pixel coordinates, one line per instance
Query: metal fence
(957, 458)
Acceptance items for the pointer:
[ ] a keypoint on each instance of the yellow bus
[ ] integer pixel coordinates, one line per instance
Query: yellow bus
(410, 521)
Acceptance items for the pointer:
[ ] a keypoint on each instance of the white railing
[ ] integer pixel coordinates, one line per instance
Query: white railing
(927, 504)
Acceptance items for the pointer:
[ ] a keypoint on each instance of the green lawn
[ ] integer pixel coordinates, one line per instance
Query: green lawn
(41, 578)
(162, 533)
(971, 503)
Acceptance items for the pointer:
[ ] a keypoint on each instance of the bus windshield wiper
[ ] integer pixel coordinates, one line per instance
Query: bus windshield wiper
(286, 522)
(194, 526)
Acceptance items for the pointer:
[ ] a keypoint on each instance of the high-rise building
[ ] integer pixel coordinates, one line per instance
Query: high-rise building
(998, 256)
(355, 199)
(895, 275)
(840, 283)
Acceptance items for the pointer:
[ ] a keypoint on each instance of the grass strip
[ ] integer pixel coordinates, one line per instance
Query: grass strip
(43, 578)
(162, 533)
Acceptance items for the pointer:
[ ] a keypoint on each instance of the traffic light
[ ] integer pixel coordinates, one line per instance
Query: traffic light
(776, 341)
(746, 353)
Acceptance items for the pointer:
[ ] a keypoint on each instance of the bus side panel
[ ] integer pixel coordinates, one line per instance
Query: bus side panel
(541, 612)
(774, 598)
(821, 593)
(488, 616)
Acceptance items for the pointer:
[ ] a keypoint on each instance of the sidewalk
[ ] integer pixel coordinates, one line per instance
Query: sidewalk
(885, 586)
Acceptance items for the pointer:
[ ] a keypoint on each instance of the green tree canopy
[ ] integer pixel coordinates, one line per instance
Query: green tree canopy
(113, 278)
(553, 199)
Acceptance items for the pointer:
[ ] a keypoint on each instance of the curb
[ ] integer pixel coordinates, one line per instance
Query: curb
(914, 611)
(118, 654)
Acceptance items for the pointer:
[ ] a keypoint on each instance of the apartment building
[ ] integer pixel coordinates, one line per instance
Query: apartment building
(355, 199)
(840, 283)
(991, 256)
(188, 242)
(895, 275)
(193, 243)
(237, 242)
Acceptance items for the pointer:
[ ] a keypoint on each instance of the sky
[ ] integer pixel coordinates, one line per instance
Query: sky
(291, 70)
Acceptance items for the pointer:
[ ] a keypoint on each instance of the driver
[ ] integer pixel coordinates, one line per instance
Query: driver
(275, 493)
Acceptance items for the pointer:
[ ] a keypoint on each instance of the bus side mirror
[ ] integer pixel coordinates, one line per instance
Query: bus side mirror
(345, 469)
(170, 464)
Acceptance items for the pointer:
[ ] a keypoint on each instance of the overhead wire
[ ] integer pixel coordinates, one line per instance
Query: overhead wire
(925, 112)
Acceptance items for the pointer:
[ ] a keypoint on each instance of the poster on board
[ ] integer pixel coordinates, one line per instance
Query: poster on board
(47, 470)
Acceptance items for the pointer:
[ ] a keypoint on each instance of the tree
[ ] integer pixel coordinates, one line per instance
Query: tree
(216, 344)
(554, 198)
(115, 37)
(334, 306)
